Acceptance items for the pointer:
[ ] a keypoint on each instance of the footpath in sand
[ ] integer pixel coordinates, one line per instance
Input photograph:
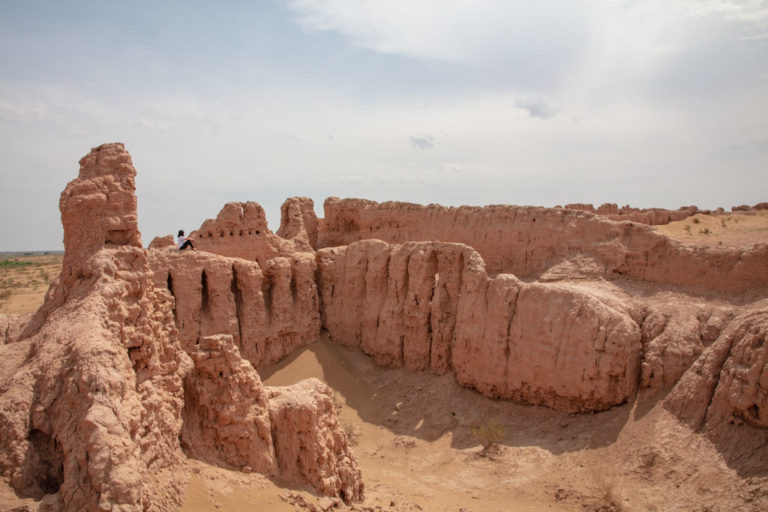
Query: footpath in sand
(414, 442)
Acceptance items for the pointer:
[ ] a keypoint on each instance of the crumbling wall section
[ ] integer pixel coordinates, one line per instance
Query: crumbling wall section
(92, 413)
(12, 325)
(299, 222)
(231, 419)
(650, 216)
(269, 310)
(527, 241)
(432, 306)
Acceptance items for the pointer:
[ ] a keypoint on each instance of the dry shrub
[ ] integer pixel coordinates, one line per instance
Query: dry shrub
(608, 494)
(489, 435)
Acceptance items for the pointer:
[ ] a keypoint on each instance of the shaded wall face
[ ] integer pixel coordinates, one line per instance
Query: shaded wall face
(269, 311)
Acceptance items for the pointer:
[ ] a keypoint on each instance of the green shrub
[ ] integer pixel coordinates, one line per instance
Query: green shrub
(14, 263)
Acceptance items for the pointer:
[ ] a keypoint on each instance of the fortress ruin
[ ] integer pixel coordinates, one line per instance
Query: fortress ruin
(140, 357)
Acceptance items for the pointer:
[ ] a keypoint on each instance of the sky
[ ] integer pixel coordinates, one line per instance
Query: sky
(656, 103)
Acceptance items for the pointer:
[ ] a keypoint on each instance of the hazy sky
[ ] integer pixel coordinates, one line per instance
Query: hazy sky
(651, 103)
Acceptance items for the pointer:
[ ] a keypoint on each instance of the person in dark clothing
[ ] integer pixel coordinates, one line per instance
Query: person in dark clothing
(184, 242)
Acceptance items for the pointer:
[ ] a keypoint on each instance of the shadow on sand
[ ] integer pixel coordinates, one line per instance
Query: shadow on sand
(427, 406)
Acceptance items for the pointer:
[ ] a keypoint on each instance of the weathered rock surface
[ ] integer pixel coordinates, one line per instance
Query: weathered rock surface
(134, 350)
(11, 326)
(674, 336)
(299, 222)
(226, 417)
(269, 310)
(162, 242)
(93, 393)
(431, 306)
(92, 412)
(240, 230)
(725, 391)
(527, 241)
(310, 445)
(650, 216)
(231, 419)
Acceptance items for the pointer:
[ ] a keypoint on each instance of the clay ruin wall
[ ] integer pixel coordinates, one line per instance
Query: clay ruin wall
(527, 241)
(473, 291)
(650, 216)
(430, 306)
(269, 311)
(100, 392)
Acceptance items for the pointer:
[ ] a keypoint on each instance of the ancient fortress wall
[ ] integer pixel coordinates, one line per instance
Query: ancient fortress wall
(650, 216)
(102, 389)
(528, 241)
(431, 306)
(137, 353)
(269, 311)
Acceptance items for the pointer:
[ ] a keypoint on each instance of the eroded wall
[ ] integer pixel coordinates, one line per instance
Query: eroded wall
(98, 389)
(269, 310)
(432, 306)
(527, 241)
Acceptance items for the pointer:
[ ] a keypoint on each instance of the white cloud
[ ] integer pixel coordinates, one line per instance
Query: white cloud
(644, 102)
(422, 142)
(754, 12)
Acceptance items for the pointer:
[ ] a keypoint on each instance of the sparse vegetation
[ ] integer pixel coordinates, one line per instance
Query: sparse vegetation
(14, 263)
(608, 495)
(687, 228)
(705, 231)
(696, 220)
(23, 279)
(489, 435)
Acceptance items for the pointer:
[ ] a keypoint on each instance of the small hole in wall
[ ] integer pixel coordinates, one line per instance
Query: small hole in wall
(241, 232)
(257, 231)
(231, 233)
(221, 235)
(221, 374)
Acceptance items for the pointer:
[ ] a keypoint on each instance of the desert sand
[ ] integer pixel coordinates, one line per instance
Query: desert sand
(25, 279)
(416, 450)
(353, 362)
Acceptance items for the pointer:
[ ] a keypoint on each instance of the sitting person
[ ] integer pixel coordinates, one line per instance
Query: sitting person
(185, 242)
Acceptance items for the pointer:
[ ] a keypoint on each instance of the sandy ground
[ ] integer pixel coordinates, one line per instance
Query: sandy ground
(737, 229)
(413, 438)
(24, 280)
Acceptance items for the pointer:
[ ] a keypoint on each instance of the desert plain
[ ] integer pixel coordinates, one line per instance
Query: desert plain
(495, 358)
